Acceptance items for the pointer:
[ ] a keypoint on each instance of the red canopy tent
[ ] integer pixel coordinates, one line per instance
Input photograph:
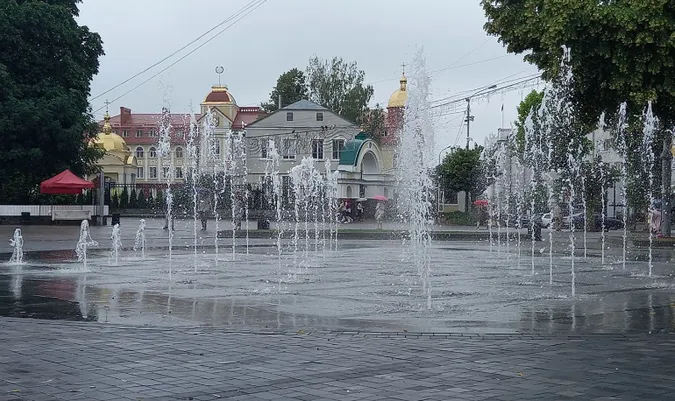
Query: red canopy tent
(65, 183)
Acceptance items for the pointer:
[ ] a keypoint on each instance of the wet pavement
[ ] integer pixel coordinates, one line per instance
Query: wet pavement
(363, 286)
(46, 360)
(326, 324)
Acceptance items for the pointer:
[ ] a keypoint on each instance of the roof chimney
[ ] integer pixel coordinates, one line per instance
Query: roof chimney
(125, 116)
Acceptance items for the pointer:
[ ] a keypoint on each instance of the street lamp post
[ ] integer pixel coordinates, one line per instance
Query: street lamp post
(469, 117)
(468, 120)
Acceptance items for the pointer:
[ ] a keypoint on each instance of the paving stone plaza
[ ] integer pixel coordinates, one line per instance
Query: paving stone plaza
(327, 324)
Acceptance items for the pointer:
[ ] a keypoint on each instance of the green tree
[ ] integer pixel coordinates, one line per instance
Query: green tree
(463, 170)
(124, 199)
(291, 86)
(338, 86)
(530, 104)
(621, 50)
(46, 64)
(142, 202)
(133, 199)
(374, 124)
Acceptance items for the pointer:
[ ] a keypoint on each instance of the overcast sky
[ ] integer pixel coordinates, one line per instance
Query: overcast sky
(281, 34)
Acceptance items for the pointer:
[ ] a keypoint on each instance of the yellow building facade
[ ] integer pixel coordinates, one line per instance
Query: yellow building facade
(118, 163)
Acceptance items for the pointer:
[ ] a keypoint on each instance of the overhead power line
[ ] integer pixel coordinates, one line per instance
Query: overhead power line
(501, 81)
(452, 67)
(259, 3)
(228, 19)
(498, 89)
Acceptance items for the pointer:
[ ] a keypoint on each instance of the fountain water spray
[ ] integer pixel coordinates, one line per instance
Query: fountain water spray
(573, 165)
(166, 163)
(139, 242)
(603, 194)
(211, 148)
(520, 187)
(272, 171)
(16, 242)
(584, 206)
(533, 151)
(85, 241)
(116, 244)
(416, 189)
(192, 164)
(332, 204)
(602, 215)
(307, 182)
(553, 207)
(650, 123)
(623, 149)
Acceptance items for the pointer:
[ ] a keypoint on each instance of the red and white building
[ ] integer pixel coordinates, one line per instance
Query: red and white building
(138, 134)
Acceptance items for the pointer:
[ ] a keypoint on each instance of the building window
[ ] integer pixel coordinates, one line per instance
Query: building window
(317, 149)
(139, 133)
(264, 149)
(140, 173)
(289, 116)
(216, 146)
(152, 152)
(179, 153)
(451, 198)
(338, 147)
(179, 172)
(319, 116)
(362, 191)
(139, 152)
(152, 133)
(289, 149)
(165, 173)
(153, 172)
(395, 160)
(125, 133)
(180, 134)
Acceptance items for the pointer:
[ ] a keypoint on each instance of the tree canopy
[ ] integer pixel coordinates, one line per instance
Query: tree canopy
(338, 85)
(291, 86)
(463, 170)
(47, 62)
(621, 50)
(531, 103)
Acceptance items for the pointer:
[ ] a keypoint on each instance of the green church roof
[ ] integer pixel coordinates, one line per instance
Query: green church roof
(350, 153)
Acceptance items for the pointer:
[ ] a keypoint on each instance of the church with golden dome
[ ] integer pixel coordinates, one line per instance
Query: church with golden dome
(119, 164)
(130, 140)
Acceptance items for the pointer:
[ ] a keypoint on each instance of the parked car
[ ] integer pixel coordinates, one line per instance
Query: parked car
(546, 219)
(611, 223)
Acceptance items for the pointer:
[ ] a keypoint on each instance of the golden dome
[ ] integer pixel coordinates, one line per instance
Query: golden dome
(219, 95)
(399, 97)
(108, 140)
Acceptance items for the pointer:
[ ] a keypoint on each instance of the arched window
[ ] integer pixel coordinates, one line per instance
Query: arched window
(349, 191)
(139, 152)
(179, 153)
(153, 152)
(386, 192)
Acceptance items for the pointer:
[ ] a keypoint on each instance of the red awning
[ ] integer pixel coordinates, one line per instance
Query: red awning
(65, 183)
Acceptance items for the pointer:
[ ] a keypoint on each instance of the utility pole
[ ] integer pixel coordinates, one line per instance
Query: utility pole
(468, 120)
(666, 159)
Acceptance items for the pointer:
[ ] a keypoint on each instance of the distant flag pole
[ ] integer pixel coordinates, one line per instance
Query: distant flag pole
(502, 115)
